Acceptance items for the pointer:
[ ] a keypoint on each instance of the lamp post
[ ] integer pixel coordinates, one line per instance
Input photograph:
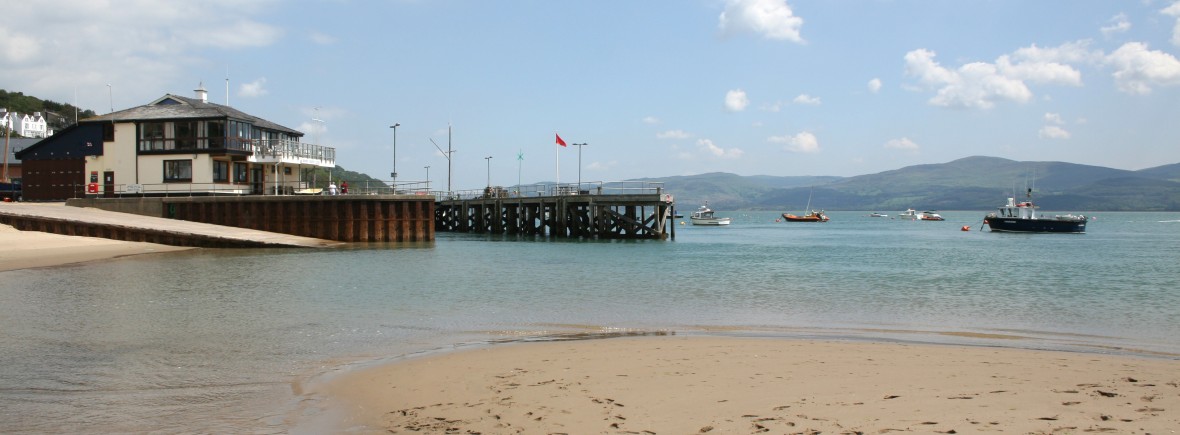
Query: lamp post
(489, 159)
(7, 132)
(111, 94)
(427, 178)
(394, 173)
(579, 145)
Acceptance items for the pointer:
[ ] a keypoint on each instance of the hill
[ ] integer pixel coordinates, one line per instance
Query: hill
(58, 116)
(972, 183)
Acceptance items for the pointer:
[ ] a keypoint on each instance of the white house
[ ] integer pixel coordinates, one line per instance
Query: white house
(26, 125)
(33, 125)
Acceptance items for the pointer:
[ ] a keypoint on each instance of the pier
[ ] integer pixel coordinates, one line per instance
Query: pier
(90, 222)
(625, 210)
(342, 218)
(595, 211)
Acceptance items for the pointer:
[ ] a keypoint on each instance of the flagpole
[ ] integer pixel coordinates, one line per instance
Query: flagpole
(519, 161)
(557, 159)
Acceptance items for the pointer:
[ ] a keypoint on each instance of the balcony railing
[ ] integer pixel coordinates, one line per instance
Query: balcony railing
(289, 151)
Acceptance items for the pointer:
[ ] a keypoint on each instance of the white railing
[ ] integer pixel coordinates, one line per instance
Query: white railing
(289, 151)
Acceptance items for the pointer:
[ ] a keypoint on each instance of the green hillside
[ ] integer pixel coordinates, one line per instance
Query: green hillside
(972, 183)
(58, 116)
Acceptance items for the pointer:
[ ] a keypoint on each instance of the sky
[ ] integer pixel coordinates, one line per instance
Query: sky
(654, 88)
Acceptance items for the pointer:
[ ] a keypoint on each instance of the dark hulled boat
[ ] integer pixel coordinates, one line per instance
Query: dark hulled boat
(1023, 217)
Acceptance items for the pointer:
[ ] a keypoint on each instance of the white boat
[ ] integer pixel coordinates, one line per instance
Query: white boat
(704, 216)
(875, 214)
(930, 216)
(910, 214)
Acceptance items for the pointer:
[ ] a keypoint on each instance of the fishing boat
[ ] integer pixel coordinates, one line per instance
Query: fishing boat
(705, 216)
(811, 216)
(1022, 217)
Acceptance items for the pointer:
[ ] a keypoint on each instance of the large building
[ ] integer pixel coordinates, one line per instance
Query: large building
(173, 145)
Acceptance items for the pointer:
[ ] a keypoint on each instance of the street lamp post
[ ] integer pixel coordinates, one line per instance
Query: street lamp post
(427, 178)
(489, 159)
(7, 132)
(394, 173)
(579, 145)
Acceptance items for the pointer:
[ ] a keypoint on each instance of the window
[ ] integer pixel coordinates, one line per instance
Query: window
(186, 135)
(220, 171)
(152, 135)
(108, 132)
(240, 174)
(215, 131)
(178, 170)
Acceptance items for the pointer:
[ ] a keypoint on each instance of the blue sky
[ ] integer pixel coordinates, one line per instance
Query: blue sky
(655, 88)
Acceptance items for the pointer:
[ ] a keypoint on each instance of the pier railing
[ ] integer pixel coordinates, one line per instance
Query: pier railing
(559, 189)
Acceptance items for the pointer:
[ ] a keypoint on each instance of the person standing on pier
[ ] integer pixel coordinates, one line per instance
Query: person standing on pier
(344, 187)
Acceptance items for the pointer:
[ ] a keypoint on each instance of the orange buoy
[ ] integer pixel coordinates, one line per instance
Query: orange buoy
(966, 228)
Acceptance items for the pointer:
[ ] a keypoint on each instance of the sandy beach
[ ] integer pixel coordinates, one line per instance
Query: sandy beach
(29, 249)
(683, 385)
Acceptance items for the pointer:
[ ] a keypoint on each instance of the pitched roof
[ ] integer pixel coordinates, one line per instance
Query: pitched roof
(177, 107)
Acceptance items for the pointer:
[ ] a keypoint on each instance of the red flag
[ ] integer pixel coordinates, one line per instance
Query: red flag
(559, 141)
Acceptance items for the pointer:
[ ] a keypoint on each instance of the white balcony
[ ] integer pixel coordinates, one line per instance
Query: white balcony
(291, 152)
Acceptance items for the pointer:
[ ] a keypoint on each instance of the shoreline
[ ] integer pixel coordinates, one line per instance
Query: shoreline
(699, 384)
(35, 249)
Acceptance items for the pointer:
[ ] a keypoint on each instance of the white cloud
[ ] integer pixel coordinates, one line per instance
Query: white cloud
(1053, 118)
(736, 100)
(602, 166)
(713, 150)
(807, 99)
(1053, 132)
(776, 107)
(321, 38)
(1137, 69)
(255, 88)
(1174, 10)
(137, 45)
(804, 142)
(875, 85)
(902, 144)
(979, 85)
(773, 19)
(1118, 24)
(651, 120)
(673, 134)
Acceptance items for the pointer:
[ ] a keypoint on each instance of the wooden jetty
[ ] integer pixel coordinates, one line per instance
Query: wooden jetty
(568, 213)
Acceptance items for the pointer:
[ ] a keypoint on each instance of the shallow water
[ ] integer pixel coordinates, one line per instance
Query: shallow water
(221, 340)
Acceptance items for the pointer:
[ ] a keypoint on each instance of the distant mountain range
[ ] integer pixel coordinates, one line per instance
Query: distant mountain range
(972, 183)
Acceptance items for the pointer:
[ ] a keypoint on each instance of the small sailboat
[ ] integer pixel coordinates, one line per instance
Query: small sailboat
(808, 216)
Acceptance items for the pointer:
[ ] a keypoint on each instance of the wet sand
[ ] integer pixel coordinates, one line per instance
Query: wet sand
(30, 249)
(683, 385)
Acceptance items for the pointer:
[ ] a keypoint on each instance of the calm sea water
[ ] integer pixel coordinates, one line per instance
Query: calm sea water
(223, 340)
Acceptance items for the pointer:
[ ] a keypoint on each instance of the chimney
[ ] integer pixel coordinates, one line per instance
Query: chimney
(202, 93)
